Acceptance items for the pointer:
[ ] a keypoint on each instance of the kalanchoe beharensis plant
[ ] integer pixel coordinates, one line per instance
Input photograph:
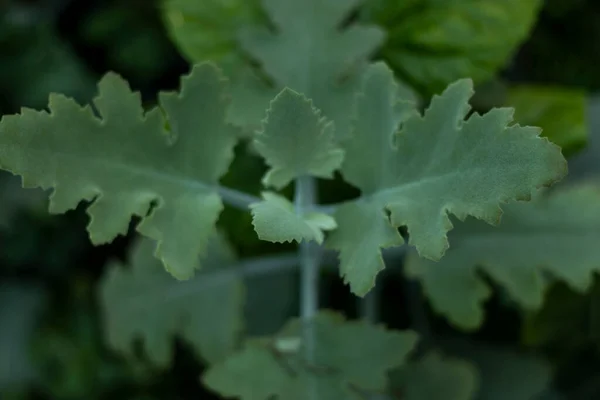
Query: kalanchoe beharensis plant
(319, 105)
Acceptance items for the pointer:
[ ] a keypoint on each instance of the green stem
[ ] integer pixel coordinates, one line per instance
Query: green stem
(309, 258)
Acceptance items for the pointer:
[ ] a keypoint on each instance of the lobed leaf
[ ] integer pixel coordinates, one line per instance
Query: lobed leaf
(436, 164)
(275, 220)
(346, 357)
(309, 53)
(296, 141)
(557, 233)
(145, 302)
(128, 164)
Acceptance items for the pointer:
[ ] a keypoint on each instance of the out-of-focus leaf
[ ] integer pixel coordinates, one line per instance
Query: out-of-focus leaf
(434, 377)
(343, 354)
(432, 43)
(563, 322)
(560, 112)
(20, 306)
(35, 62)
(146, 302)
(208, 29)
(504, 373)
(557, 232)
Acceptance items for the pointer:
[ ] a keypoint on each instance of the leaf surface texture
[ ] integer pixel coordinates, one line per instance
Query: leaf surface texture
(556, 233)
(420, 168)
(296, 141)
(126, 160)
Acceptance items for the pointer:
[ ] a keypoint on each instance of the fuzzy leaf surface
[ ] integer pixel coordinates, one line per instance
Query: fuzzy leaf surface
(275, 220)
(346, 355)
(125, 161)
(435, 165)
(309, 53)
(433, 43)
(557, 233)
(296, 141)
(435, 377)
(144, 301)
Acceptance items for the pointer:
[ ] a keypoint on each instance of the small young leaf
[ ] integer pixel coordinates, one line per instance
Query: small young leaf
(309, 52)
(296, 141)
(558, 233)
(435, 377)
(126, 161)
(275, 220)
(435, 165)
(146, 301)
(346, 355)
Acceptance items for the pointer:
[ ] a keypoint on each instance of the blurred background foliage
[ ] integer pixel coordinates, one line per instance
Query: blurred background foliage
(541, 57)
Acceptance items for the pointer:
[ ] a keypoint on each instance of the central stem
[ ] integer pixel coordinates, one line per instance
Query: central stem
(309, 257)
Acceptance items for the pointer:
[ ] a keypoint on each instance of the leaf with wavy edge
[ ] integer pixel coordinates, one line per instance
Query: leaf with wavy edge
(309, 52)
(296, 141)
(143, 301)
(125, 161)
(347, 355)
(275, 220)
(436, 164)
(558, 233)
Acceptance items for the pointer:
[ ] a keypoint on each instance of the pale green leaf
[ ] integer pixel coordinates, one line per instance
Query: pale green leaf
(345, 354)
(296, 141)
(432, 43)
(557, 233)
(560, 112)
(436, 164)
(126, 161)
(309, 53)
(208, 30)
(143, 301)
(435, 377)
(363, 230)
(275, 220)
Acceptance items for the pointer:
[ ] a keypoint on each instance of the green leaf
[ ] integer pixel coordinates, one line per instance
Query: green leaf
(20, 307)
(145, 301)
(296, 141)
(346, 356)
(309, 53)
(208, 29)
(560, 112)
(436, 164)
(275, 220)
(432, 43)
(558, 233)
(435, 377)
(126, 162)
(504, 373)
